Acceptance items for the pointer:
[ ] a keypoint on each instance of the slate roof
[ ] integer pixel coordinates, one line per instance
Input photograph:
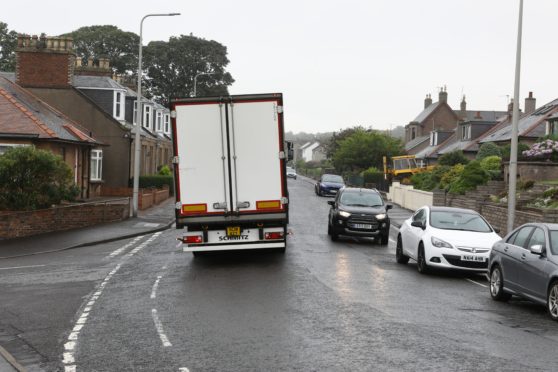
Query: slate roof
(472, 115)
(21, 112)
(427, 111)
(100, 82)
(414, 143)
(529, 126)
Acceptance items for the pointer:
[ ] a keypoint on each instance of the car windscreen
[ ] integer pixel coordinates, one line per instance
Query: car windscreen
(450, 220)
(554, 241)
(361, 199)
(332, 178)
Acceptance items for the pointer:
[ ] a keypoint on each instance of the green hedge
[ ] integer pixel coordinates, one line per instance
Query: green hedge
(156, 181)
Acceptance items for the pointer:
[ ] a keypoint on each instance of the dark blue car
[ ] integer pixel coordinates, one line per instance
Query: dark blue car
(329, 184)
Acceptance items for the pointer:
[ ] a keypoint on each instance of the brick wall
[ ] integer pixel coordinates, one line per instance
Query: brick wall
(20, 224)
(147, 197)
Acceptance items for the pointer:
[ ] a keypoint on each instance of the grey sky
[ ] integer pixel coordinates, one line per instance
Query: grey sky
(344, 63)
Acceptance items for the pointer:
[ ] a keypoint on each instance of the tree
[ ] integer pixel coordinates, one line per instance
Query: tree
(107, 41)
(364, 149)
(32, 179)
(172, 66)
(453, 158)
(333, 144)
(8, 44)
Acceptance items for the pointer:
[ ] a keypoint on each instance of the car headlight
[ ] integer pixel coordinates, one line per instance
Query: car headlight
(439, 243)
(344, 214)
(381, 216)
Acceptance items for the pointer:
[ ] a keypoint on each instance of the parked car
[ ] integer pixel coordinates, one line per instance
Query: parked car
(360, 213)
(329, 184)
(525, 263)
(445, 237)
(291, 173)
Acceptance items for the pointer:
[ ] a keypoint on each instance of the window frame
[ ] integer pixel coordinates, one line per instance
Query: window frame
(147, 116)
(166, 123)
(119, 102)
(96, 170)
(159, 120)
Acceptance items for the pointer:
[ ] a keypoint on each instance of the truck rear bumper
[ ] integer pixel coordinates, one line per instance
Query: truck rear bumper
(233, 247)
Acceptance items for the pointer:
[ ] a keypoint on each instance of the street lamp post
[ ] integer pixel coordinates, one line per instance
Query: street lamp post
(139, 116)
(196, 80)
(512, 179)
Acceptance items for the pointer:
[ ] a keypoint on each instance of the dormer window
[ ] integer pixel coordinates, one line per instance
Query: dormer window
(552, 128)
(147, 116)
(135, 116)
(159, 121)
(118, 106)
(465, 132)
(433, 138)
(167, 123)
(413, 133)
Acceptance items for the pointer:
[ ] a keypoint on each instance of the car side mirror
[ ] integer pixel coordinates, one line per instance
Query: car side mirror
(388, 207)
(536, 249)
(418, 224)
(331, 202)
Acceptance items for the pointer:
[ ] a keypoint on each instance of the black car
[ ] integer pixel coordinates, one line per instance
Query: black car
(329, 184)
(360, 213)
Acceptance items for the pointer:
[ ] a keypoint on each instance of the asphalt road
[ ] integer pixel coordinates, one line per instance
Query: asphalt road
(143, 305)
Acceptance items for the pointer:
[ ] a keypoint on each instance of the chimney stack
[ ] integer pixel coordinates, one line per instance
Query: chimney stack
(443, 95)
(427, 101)
(530, 104)
(45, 62)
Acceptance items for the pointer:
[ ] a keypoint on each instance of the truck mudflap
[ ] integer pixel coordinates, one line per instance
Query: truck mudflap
(233, 239)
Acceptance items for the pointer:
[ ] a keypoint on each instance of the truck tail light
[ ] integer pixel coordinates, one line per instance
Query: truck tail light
(193, 239)
(274, 235)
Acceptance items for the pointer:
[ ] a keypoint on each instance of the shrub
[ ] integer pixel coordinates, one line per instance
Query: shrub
(547, 149)
(473, 175)
(492, 165)
(451, 176)
(372, 175)
(157, 181)
(439, 171)
(165, 171)
(489, 149)
(506, 149)
(423, 181)
(525, 184)
(33, 179)
(453, 158)
(551, 193)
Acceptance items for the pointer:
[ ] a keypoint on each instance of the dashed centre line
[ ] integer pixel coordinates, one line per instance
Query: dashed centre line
(68, 357)
(159, 326)
(155, 285)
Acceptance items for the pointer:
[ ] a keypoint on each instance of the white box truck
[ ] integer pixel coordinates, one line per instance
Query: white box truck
(230, 172)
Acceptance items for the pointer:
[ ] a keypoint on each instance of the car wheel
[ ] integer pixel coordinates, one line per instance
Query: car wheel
(334, 236)
(497, 285)
(400, 257)
(552, 301)
(422, 266)
(384, 239)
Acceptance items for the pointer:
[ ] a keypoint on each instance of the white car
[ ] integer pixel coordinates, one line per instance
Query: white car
(448, 238)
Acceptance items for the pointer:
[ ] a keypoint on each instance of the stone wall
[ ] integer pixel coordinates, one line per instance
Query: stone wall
(20, 224)
(535, 171)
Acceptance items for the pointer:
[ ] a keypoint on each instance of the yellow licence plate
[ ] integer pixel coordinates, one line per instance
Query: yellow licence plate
(233, 231)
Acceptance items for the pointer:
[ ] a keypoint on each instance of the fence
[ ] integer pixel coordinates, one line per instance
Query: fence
(27, 223)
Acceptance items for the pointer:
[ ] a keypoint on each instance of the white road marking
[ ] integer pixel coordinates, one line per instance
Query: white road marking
(20, 267)
(391, 240)
(68, 357)
(183, 369)
(154, 290)
(120, 250)
(477, 283)
(395, 227)
(159, 327)
(178, 245)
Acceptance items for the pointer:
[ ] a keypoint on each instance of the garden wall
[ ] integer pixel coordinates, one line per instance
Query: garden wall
(147, 197)
(409, 198)
(536, 171)
(27, 223)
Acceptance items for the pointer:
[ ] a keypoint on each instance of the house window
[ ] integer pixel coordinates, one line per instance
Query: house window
(6, 146)
(159, 121)
(433, 138)
(413, 133)
(465, 132)
(552, 128)
(147, 116)
(119, 105)
(167, 123)
(96, 165)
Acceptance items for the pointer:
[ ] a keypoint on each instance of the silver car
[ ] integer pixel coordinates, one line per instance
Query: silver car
(525, 263)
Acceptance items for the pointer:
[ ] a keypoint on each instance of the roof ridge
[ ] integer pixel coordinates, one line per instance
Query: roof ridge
(26, 112)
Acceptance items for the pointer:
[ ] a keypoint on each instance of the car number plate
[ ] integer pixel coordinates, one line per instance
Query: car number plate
(333, 191)
(361, 226)
(233, 231)
(473, 258)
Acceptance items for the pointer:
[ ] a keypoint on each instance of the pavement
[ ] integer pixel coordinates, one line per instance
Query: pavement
(157, 218)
